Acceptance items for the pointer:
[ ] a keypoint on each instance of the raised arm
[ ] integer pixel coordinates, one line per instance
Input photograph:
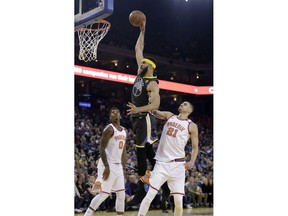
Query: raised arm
(106, 135)
(194, 139)
(139, 47)
(154, 100)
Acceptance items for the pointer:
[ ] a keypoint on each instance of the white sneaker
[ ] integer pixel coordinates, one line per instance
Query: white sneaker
(189, 206)
(78, 210)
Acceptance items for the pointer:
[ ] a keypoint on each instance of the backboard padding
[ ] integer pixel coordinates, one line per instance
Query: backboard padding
(86, 11)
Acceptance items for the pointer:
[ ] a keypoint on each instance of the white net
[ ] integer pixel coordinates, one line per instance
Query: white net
(89, 39)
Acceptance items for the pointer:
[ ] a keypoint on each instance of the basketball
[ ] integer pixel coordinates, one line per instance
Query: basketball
(136, 18)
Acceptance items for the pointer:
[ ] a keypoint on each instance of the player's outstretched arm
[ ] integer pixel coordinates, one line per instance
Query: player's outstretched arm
(139, 47)
(194, 139)
(107, 133)
(162, 114)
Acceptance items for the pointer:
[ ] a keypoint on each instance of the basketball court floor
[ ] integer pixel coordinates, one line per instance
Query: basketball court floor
(186, 212)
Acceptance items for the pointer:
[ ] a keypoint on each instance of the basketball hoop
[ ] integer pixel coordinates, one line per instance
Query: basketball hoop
(90, 37)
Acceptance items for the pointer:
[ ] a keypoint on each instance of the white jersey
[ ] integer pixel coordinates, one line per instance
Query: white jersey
(114, 150)
(174, 137)
(115, 145)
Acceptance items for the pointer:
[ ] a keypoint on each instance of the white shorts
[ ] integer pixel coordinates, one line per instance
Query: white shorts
(115, 181)
(172, 172)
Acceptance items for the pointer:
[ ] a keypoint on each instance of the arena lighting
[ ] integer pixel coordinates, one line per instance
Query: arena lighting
(85, 104)
(129, 79)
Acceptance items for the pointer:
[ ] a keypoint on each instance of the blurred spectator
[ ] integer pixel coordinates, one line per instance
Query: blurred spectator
(78, 199)
(131, 187)
(209, 190)
(206, 190)
(88, 187)
(83, 193)
(195, 192)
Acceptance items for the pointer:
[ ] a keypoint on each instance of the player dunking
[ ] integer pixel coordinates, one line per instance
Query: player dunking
(145, 98)
(112, 164)
(170, 163)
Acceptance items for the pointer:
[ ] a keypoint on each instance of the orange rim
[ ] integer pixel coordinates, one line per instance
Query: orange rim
(98, 29)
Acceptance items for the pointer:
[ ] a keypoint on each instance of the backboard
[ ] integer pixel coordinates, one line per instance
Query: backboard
(87, 11)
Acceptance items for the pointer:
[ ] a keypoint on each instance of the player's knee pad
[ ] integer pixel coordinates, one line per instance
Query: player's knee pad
(120, 201)
(178, 200)
(120, 194)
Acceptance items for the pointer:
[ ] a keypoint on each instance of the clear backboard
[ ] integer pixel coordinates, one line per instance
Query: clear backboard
(87, 11)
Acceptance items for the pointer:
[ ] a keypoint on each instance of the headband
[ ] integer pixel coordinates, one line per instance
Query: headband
(150, 62)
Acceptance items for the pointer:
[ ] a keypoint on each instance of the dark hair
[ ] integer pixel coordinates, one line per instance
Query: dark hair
(113, 108)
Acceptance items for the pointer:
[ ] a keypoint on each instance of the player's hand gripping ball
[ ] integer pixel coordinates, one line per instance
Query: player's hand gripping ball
(136, 18)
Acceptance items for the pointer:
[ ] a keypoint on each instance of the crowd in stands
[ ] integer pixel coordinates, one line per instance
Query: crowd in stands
(89, 124)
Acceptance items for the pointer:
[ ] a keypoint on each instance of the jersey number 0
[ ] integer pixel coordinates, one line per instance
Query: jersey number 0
(121, 144)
